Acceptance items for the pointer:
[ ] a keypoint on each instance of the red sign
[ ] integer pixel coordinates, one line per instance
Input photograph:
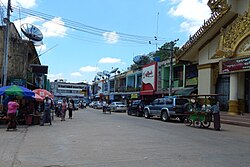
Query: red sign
(235, 65)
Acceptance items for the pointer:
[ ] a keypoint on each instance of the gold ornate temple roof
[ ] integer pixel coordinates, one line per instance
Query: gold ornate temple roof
(219, 8)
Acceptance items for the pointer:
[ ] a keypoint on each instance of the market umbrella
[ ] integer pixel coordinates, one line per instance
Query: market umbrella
(43, 93)
(37, 97)
(15, 90)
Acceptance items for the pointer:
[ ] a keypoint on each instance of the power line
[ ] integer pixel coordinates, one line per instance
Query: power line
(86, 28)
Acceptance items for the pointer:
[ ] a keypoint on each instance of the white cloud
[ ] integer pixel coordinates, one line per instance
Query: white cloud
(111, 37)
(89, 69)
(76, 74)
(23, 3)
(109, 60)
(160, 1)
(193, 11)
(54, 28)
(53, 77)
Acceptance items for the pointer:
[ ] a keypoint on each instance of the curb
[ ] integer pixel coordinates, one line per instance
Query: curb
(246, 124)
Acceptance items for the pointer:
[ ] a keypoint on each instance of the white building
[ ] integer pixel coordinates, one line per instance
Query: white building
(62, 89)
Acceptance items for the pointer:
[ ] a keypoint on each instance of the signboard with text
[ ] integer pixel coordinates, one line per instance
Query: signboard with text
(235, 65)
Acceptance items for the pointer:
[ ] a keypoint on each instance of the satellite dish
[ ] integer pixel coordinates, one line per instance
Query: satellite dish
(105, 72)
(114, 70)
(141, 59)
(96, 78)
(31, 32)
(99, 74)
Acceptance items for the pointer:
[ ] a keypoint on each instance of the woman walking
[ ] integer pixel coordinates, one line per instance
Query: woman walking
(11, 113)
(64, 107)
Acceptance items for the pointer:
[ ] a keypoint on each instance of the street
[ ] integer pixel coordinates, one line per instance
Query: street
(93, 139)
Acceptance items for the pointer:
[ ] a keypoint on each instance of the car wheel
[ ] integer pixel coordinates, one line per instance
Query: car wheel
(164, 116)
(137, 113)
(129, 112)
(146, 114)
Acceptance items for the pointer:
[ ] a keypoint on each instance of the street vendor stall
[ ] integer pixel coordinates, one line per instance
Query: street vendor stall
(25, 99)
(200, 110)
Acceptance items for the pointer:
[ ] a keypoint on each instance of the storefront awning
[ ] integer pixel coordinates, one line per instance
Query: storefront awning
(186, 91)
(147, 92)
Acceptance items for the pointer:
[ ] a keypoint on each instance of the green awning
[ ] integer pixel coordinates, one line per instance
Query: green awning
(186, 91)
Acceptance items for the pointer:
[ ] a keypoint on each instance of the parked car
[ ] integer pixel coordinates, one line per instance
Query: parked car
(91, 104)
(97, 105)
(76, 102)
(136, 108)
(82, 104)
(117, 106)
(167, 108)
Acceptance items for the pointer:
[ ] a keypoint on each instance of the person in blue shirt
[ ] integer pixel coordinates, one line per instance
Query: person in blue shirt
(216, 113)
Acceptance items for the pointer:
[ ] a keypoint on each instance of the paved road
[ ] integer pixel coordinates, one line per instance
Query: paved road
(93, 139)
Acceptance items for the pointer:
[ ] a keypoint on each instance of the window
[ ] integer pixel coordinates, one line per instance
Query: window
(169, 101)
(155, 101)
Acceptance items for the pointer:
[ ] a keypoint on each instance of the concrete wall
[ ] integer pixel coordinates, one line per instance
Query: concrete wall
(239, 6)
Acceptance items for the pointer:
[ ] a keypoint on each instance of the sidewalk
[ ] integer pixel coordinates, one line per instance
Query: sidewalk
(240, 120)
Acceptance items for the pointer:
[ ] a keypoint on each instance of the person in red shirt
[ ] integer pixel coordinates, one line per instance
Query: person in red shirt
(11, 113)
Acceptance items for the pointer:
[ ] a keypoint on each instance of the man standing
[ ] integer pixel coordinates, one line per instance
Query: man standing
(48, 104)
(216, 113)
(11, 113)
(71, 108)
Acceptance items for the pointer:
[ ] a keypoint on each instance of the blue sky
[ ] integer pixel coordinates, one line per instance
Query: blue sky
(83, 37)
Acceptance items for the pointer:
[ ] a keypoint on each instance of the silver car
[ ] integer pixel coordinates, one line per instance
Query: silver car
(118, 106)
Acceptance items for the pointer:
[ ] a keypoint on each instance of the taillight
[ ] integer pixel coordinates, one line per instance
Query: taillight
(174, 108)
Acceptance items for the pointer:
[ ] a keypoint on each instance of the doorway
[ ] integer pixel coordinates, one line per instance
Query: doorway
(247, 91)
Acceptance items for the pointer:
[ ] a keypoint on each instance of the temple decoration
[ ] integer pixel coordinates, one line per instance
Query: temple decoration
(232, 36)
(218, 6)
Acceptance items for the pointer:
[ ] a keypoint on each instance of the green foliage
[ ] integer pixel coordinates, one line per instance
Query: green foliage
(163, 53)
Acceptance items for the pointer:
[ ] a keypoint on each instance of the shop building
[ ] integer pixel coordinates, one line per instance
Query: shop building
(24, 66)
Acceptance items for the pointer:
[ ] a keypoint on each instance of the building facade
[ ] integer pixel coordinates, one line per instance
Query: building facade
(64, 90)
(221, 50)
(24, 66)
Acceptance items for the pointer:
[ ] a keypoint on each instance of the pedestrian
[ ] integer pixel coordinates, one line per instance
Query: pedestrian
(11, 114)
(70, 107)
(216, 113)
(48, 105)
(104, 107)
(64, 107)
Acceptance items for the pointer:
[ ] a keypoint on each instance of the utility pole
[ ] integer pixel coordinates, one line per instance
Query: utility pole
(171, 67)
(6, 45)
(171, 49)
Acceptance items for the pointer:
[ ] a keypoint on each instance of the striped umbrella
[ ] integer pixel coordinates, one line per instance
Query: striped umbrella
(15, 90)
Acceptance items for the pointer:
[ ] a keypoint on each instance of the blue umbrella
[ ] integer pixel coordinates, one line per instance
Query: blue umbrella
(15, 90)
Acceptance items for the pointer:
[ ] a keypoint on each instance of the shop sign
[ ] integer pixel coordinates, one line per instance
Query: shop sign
(134, 96)
(192, 81)
(148, 76)
(235, 65)
(19, 82)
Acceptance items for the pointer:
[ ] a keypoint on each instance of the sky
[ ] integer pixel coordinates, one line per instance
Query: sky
(83, 37)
